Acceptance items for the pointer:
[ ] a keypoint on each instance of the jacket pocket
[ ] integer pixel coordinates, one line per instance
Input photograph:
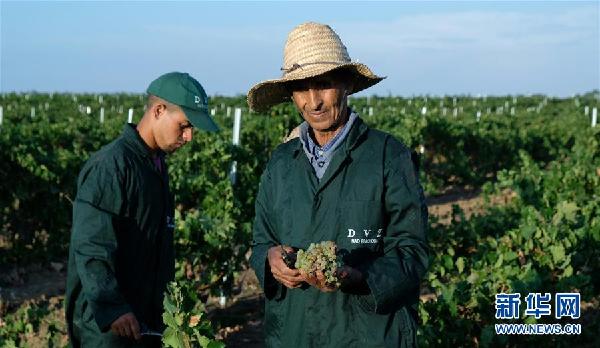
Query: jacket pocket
(397, 329)
(368, 327)
(294, 227)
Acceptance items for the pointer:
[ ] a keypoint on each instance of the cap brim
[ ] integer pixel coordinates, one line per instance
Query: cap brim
(200, 119)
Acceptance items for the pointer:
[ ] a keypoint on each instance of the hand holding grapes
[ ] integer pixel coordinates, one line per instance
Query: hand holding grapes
(348, 278)
(319, 281)
(321, 268)
(290, 278)
(352, 279)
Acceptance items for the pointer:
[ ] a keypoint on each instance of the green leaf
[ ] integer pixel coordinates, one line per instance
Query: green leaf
(179, 319)
(216, 344)
(460, 264)
(527, 231)
(510, 255)
(499, 260)
(169, 306)
(565, 211)
(448, 263)
(169, 320)
(473, 277)
(424, 315)
(169, 338)
(203, 341)
(453, 308)
(558, 253)
(568, 271)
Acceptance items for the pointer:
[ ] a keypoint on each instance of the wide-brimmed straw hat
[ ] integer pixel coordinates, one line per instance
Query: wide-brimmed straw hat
(311, 49)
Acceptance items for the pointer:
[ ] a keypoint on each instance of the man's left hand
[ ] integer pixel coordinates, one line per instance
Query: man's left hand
(318, 281)
(349, 278)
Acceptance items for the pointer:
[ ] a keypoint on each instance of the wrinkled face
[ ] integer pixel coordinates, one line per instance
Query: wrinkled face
(320, 100)
(172, 129)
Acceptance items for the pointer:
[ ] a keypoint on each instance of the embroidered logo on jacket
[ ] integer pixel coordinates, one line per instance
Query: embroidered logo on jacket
(370, 236)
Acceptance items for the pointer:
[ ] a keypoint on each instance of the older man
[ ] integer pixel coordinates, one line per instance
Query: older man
(340, 181)
(121, 253)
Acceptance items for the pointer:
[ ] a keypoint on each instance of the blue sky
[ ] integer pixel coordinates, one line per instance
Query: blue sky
(437, 48)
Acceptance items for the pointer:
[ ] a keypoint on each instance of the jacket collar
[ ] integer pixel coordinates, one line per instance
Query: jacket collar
(355, 135)
(134, 140)
(353, 139)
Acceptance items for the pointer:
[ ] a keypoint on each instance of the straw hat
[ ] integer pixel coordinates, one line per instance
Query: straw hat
(311, 49)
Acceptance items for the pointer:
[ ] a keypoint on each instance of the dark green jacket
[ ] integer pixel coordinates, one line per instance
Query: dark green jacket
(121, 253)
(371, 204)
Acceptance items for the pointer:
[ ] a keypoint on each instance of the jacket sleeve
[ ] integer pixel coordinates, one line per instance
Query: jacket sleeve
(394, 277)
(99, 201)
(263, 238)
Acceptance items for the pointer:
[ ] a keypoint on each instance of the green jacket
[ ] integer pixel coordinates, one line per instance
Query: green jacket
(371, 204)
(121, 253)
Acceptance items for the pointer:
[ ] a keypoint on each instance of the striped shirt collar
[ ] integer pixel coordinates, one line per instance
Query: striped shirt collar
(318, 156)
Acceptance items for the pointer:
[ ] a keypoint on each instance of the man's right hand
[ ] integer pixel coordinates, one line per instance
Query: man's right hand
(290, 278)
(126, 326)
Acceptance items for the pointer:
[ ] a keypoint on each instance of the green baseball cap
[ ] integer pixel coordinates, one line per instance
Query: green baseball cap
(184, 91)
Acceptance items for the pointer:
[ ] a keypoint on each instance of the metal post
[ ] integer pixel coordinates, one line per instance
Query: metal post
(237, 124)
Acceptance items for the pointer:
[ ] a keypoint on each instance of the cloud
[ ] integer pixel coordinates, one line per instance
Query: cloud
(483, 29)
(481, 51)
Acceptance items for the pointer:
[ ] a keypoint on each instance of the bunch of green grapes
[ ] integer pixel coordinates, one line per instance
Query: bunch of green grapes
(320, 257)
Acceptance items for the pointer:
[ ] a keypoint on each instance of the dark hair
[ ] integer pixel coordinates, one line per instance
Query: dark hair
(152, 99)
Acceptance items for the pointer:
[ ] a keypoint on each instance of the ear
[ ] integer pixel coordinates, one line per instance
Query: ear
(158, 110)
(298, 108)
